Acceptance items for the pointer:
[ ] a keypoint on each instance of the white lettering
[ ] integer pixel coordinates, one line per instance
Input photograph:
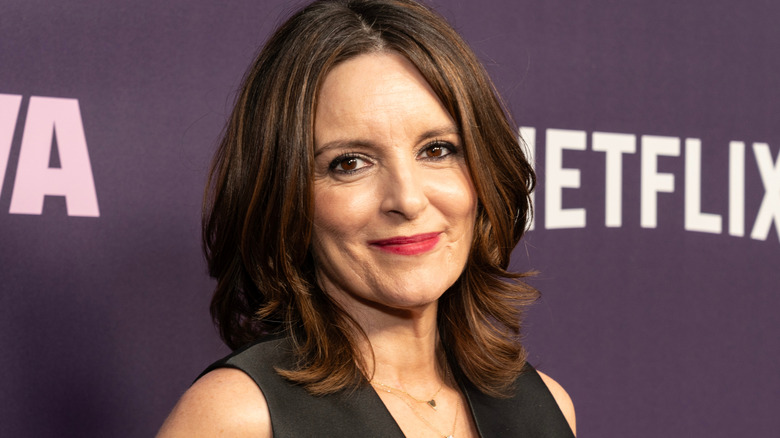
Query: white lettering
(557, 178)
(653, 182)
(615, 145)
(48, 117)
(9, 111)
(737, 188)
(770, 206)
(695, 220)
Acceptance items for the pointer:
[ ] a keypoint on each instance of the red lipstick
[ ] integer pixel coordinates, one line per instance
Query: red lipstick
(408, 245)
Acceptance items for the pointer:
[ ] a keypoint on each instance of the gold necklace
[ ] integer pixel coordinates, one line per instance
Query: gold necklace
(427, 423)
(389, 389)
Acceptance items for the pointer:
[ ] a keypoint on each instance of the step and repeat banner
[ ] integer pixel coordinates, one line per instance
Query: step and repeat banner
(655, 132)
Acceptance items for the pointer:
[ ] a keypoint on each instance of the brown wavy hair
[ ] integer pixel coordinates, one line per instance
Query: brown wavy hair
(257, 218)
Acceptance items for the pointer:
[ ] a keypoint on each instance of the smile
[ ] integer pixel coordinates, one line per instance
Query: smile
(408, 245)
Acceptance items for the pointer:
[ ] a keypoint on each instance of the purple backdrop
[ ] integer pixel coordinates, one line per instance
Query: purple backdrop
(659, 299)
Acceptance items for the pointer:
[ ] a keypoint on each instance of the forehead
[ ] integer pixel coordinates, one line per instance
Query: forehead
(376, 92)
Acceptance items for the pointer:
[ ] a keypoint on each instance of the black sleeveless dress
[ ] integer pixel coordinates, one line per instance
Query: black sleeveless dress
(531, 413)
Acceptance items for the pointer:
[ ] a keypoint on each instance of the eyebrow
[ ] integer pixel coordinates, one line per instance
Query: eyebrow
(352, 143)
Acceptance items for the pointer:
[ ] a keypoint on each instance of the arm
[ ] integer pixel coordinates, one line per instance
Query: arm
(562, 398)
(225, 402)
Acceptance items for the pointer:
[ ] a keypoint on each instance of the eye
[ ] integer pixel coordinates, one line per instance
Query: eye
(348, 164)
(437, 150)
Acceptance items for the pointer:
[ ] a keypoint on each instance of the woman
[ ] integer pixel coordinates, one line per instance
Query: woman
(361, 213)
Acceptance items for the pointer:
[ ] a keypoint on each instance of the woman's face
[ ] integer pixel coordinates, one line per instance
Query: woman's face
(394, 206)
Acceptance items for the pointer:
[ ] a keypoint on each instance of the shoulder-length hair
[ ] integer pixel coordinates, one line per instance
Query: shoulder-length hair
(257, 219)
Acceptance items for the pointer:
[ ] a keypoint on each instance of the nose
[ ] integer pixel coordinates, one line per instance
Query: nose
(404, 193)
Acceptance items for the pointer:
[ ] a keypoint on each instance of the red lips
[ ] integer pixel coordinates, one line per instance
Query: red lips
(408, 245)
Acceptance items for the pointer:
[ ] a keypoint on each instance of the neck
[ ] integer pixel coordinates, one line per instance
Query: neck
(404, 347)
(402, 344)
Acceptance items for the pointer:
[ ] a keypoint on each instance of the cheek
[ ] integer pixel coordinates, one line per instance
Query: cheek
(457, 199)
(340, 213)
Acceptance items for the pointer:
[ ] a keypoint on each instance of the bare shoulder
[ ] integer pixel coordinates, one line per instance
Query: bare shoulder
(225, 402)
(562, 398)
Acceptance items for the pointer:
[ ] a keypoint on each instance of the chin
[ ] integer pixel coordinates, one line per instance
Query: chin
(415, 297)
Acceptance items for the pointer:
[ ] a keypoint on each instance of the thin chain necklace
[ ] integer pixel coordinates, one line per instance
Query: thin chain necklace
(427, 423)
(389, 389)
